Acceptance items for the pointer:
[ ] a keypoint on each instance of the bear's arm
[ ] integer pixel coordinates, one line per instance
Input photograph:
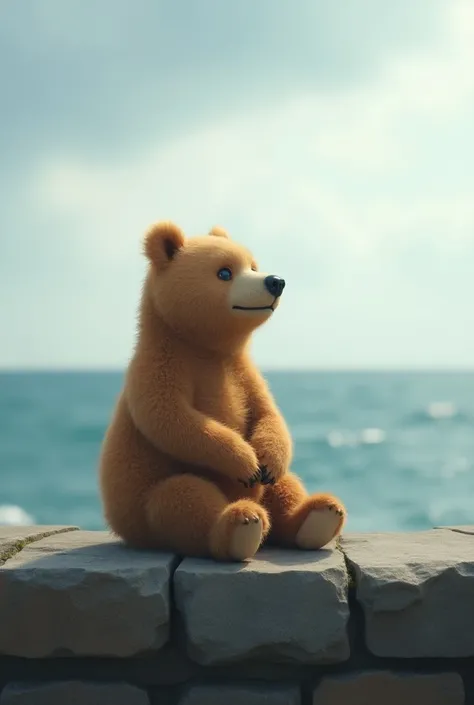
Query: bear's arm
(269, 434)
(157, 403)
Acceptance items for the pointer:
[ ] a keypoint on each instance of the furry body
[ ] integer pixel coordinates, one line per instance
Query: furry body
(196, 421)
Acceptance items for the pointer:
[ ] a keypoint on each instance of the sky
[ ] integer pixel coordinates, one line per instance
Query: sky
(335, 140)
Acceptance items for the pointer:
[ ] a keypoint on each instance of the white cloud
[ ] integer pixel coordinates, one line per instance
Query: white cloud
(325, 189)
(272, 171)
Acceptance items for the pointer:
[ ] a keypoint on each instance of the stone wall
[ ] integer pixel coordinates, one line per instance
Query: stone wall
(380, 618)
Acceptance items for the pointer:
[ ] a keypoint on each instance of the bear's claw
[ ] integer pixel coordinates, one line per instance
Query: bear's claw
(252, 481)
(265, 477)
(246, 520)
(334, 508)
(262, 476)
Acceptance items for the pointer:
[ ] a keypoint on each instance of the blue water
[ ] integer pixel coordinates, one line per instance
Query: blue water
(397, 448)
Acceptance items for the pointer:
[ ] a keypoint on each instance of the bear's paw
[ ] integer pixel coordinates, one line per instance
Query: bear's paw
(240, 531)
(321, 526)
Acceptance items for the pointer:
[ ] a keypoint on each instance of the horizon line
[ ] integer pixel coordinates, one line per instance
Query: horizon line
(294, 369)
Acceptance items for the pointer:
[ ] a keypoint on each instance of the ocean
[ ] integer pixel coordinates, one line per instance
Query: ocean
(397, 448)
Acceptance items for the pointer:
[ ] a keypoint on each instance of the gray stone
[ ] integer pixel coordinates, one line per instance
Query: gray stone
(73, 693)
(416, 591)
(14, 538)
(84, 593)
(270, 694)
(377, 687)
(283, 605)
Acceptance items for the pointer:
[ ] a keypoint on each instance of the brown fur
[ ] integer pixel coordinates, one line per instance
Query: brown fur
(195, 419)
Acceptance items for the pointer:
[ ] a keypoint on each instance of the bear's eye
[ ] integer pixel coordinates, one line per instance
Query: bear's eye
(225, 274)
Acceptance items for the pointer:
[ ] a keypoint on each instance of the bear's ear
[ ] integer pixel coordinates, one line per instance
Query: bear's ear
(217, 231)
(162, 241)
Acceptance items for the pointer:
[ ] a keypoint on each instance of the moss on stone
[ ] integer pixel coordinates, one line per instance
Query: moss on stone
(11, 549)
(351, 575)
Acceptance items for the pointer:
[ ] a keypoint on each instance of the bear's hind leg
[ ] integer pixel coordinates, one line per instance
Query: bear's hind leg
(192, 517)
(302, 520)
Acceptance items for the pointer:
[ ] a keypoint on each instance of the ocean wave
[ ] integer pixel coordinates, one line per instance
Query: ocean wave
(438, 411)
(12, 515)
(442, 410)
(352, 439)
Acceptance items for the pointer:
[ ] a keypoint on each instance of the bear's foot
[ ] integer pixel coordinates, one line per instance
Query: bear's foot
(324, 520)
(239, 531)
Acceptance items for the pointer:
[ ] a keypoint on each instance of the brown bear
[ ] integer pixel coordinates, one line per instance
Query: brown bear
(197, 456)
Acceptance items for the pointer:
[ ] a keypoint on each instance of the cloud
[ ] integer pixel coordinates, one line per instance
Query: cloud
(111, 76)
(336, 162)
(348, 193)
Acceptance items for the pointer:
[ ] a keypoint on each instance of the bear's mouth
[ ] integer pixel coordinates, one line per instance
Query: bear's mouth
(255, 308)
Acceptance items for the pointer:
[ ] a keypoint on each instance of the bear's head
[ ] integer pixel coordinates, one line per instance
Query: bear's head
(207, 289)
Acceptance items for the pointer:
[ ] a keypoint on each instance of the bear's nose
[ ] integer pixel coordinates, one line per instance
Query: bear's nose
(274, 285)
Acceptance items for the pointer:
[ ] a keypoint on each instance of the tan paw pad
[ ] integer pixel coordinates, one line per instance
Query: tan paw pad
(246, 538)
(319, 528)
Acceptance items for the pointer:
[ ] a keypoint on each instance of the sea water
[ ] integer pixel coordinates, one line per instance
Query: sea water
(397, 448)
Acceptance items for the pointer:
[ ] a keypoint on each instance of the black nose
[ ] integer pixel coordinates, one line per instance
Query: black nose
(274, 285)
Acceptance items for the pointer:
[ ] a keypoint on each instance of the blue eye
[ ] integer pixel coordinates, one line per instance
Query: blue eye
(225, 274)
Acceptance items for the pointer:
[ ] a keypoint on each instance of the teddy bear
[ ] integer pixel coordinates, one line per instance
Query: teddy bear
(196, 458)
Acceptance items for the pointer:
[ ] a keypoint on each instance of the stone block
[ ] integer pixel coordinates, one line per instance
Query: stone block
(83, 593)
(416, 591)
(73, 693)
(288, 606)
(14, 538)
(270, 694)
(377, 687)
